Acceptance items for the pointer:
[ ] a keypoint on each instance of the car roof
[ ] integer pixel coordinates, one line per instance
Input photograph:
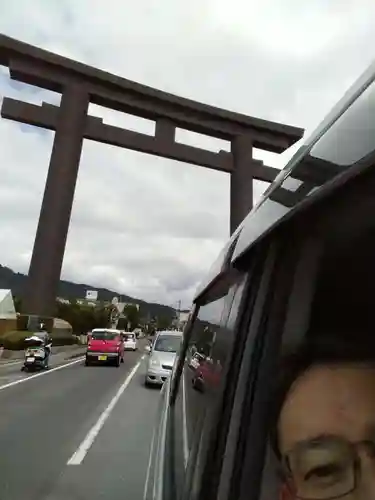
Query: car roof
(271, 211)
(110, 330)
(178, 333)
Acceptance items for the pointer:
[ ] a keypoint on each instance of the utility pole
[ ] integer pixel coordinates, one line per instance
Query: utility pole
(178, 314)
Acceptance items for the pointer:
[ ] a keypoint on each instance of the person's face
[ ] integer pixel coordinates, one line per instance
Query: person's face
(326, 431)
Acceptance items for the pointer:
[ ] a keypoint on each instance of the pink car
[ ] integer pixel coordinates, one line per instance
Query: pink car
(105, 345)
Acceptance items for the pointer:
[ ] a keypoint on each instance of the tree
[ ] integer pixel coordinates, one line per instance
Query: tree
(132, 316)
(163, 323)
(17, 304)
(83, 318)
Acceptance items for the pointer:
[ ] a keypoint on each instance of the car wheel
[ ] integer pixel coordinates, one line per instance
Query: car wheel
(87, 363)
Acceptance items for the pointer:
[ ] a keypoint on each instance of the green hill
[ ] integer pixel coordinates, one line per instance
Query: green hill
(68, 290)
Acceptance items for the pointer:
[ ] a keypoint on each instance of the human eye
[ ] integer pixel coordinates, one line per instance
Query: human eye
(325, 472)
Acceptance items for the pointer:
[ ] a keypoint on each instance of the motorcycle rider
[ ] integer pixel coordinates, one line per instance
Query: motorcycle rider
(47, 340)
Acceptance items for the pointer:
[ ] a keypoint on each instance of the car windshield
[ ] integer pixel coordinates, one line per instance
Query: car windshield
(167, 343)
(104, 335)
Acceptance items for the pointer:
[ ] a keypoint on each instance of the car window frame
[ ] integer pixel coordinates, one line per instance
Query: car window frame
(312, 230)
(240, 283)
(191, 469)
(176, 375)
(252, 273)
(250, 320)
(262, 336)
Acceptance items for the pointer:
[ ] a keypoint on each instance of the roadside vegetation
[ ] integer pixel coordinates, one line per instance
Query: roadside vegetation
(80, 319)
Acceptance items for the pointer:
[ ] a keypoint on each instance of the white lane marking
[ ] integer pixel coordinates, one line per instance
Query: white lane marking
(149, 464)
(81, 452)
(184, 422)
(26, 379)
(160, 463)
(12, 363)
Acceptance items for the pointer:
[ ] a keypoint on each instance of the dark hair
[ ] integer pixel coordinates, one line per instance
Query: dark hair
(317, 349)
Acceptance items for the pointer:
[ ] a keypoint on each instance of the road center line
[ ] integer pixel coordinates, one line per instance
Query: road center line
(79, 455)
(26, 379)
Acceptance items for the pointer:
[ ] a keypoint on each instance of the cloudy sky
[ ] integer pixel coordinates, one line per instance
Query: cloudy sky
(283, 60)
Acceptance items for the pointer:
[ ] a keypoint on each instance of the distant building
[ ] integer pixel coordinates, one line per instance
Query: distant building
(182, 319)
(61, 326)
(91, 295)
(86, 302)
(62, 300)
(8, 314)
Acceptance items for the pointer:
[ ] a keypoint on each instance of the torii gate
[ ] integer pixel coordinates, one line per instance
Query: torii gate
(79, 85)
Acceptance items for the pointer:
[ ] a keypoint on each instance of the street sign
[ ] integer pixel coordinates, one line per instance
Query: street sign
(91, 295)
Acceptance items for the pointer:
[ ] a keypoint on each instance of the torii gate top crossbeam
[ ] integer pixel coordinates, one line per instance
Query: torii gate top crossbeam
(44, 69)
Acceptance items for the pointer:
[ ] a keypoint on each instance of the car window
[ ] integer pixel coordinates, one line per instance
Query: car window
(334, 356)
(167, 343)
(324, 371)
(129, 336)
(200, 384)
(315, 376)
(348, 142)
(103, 335)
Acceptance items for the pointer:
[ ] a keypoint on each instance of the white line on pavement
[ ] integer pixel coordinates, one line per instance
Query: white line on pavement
(184, 422)
(81, 452)
(13, 363)
(26, 379)
(145, 491)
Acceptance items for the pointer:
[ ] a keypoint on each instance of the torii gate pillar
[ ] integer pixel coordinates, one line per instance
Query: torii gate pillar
(55, 213)
(241, 180)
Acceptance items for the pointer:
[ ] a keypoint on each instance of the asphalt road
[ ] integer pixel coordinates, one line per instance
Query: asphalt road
(76, 432)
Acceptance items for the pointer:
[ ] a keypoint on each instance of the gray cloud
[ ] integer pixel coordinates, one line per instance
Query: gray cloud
(146, 226)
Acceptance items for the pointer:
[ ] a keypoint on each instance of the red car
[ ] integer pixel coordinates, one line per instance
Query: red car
(207, 373)
(105, 345)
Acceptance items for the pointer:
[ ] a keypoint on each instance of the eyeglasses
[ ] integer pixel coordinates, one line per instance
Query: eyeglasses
(324, 469)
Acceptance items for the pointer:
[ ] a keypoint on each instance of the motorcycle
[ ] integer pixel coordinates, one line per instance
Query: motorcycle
(37, 352)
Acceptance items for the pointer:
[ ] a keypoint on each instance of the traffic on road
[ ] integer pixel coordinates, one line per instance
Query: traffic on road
(269, 390)
(76, 432)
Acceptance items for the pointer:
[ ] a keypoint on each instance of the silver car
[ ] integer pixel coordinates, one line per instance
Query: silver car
(162, 356)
